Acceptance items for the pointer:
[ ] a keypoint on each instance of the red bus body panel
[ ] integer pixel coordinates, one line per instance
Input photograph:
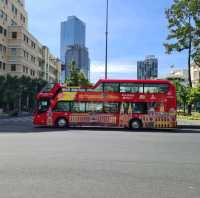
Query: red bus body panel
(163, 116)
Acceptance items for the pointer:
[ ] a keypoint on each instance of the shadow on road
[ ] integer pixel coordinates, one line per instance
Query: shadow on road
(31, 129)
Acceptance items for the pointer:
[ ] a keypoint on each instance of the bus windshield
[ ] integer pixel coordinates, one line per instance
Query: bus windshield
(43, 106)
(48, 88)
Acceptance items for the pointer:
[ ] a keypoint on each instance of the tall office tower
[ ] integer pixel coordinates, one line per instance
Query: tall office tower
(80, 56)
(20, 52)
(73, 34)
(147, 69)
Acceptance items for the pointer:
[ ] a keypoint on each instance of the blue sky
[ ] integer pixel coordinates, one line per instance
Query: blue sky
(136, 29)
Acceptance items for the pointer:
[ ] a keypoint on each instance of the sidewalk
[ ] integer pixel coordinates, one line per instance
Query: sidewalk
(22, 114)
(4, 116)
(189, 123)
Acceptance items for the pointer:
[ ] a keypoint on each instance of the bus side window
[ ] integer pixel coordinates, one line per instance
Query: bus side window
(124, 107)
(112, 87)
(111, 107)
(62, 106)
(154, 106)
(94, 107)
(78, 107)
(151, 88)
(155, 88)
(131, 87)
(163, 88)
(139, 107)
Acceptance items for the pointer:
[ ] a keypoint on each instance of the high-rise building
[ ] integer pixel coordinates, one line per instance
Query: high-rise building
(72, 45)
(147, 69)
(20, 52)
(80, 56)
(72, 33)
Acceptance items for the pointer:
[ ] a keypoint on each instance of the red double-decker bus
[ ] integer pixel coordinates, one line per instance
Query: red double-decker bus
(113, 103)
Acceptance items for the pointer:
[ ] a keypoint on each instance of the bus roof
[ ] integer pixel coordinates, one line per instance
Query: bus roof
(57, 86)
(132, 81)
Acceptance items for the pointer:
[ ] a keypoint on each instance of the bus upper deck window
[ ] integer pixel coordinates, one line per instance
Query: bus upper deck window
(163, 88)
(112, 87)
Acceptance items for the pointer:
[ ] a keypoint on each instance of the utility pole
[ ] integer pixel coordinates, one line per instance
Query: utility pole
(106, 58)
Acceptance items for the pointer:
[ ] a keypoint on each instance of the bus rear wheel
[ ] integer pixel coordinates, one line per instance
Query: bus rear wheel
(61, 123)
(135, 124)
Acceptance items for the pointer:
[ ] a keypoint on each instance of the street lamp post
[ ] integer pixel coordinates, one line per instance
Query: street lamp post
(106, 58)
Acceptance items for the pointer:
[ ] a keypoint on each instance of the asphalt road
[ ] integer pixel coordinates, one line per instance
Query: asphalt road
(98, 163)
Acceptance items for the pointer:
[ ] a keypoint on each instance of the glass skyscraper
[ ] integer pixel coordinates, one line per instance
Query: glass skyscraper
(72, 46)
(72, 33)
(81, 58)
(147, 69)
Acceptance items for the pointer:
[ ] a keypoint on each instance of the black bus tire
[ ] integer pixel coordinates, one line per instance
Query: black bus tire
(61, 123)
(135, 124)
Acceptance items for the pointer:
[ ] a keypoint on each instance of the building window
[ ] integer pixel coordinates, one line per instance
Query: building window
(5, 32)
(4, 1)
(25, 38)
(4, 66)
(14, 9)
(33, 59)
(13, 67)
(26, 55)
(32, 44)
(32, 72)
(13, 23)
(3, 49)
(3, 15)
(13, 51)
(0, 64)
(1, 30)
(14, 35)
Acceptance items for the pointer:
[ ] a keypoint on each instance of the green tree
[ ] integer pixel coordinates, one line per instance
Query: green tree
(19, 93)
(184, 29)
(194, 95)
(182, 94)
(76, 77)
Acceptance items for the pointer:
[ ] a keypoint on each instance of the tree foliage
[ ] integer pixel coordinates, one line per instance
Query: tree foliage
(76, 77)
(182, 94)
(194, 95)
(14, 90)
(184, 29)
(186, 95)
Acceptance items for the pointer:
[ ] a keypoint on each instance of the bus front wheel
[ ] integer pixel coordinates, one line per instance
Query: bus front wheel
(61, 123)
(135, 124)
